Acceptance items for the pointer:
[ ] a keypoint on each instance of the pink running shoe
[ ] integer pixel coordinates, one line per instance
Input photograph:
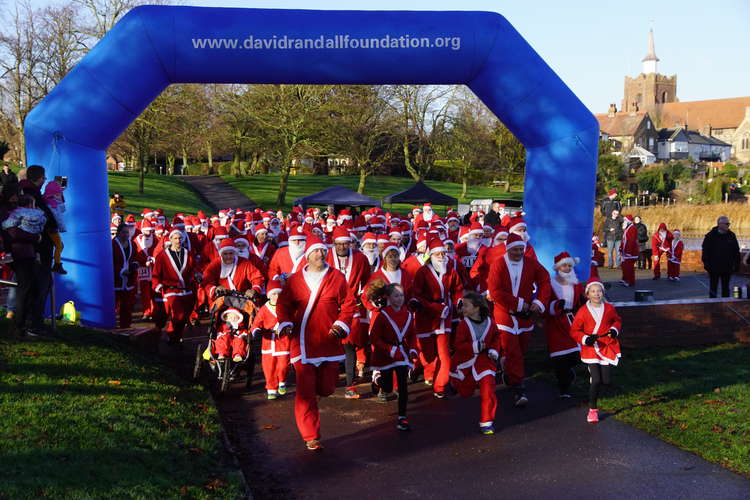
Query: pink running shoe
(593, 416)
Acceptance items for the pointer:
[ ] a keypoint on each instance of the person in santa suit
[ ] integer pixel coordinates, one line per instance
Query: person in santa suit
(566, 298)
(231, 272)
(454, 225)
(172, 280)
(426, 215)
(415, 261)
(356, 269)
(243, 250)
(369, 248)
(274, 349)
(437, 289)
(597, 256)
(516, 225)
(629, 251)
(315, 309)
(289, 259)
(390, 272)
(126, 262)
(145, 245)
(675, 256)
(485, 257)
(661, 244)
(232, 338)
(393, 348)
(468, 250)
(262, 245)
(474, 361)
(596, 328)
(519, 287)
(211, 250)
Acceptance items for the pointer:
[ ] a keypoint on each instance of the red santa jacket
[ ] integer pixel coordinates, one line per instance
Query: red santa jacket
(468, 360)
(629, 245)
(312, 310)
(264, 252)
(413, 263)
(509, 299)
(168, 279)
(283, 264)
(481, 269)
(145, 256)
(565, 301)
(266, 325)
(125, 263)
(467, 257)
(675, 254)
(661, 245)
(437, 297)
(606, 350)
(393, 340)
(244, 276)
(401, 277)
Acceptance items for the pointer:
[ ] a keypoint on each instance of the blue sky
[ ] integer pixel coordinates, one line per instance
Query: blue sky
(592, 45)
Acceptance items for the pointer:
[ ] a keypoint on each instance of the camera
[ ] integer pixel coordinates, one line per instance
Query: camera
(62, 180)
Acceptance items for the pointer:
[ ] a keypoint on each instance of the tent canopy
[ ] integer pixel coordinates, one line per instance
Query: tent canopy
(337, 195)
(420, 193)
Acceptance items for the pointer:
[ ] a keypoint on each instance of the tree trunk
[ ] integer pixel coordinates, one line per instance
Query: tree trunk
(141, 170)
(283, 181)
(464, 183)
(170, 163)
(210, 154)
(184, 169)
(362, 180)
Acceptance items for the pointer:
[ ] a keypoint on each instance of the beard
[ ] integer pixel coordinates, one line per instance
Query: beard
(244, 253)
(473, 244)
(295, 250)
(427, 215)
(440, 265)
(570, 278)
(371, 254)
(148, 240)
(486, 241)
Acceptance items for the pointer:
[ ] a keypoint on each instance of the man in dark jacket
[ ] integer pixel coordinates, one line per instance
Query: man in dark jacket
(495, 215)
(612, 236)
(610, 203)
(7, 177)
(721, 256)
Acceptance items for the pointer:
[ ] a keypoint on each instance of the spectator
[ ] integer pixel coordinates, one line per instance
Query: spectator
(610, 203)
(495, 214)
(117, 204)
(721, 256)
(7, 177)
(642, 242)
(612, 237)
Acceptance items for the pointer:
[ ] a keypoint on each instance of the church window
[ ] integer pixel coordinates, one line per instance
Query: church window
(639, 98)
(664, 96)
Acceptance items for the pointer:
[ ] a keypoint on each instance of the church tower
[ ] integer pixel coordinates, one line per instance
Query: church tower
(648, 90)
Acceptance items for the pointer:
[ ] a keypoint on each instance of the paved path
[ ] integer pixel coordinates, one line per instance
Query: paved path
(214, 190)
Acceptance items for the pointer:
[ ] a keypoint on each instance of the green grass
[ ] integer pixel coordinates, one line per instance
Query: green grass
(85, 417)
(695, 398)
(160, 191)
(262, 189)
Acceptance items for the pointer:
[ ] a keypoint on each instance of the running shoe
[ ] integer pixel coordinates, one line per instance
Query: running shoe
(402, 424)
(351, 393)
(313, 445)
(487, 430)
(237, 358)
(271, 396)
(282, 389)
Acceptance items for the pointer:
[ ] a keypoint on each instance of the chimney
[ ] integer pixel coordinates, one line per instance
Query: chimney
(634, 109)
(613, 111)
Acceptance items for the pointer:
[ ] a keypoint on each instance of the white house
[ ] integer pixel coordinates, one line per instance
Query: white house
(644, 155)
(680, 144)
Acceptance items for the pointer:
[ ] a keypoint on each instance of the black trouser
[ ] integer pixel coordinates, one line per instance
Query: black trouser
(253, 347)
(600, 375)
(713, 281)
(41, 292)
(386, 384)
(350, 363)
(563, 366)
(27, 272)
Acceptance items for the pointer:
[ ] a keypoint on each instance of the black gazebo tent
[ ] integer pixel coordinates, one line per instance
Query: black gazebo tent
(420, 193)
(339, 196)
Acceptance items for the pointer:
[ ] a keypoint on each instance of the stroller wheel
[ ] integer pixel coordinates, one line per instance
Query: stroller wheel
(198, 362)
(225, 378)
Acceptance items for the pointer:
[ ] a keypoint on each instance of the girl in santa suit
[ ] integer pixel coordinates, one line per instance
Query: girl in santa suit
(275, 349)
(596, 328)
(390, 272)
(566, 298)
(172, 279)
(262, 245)
(393, 346)
(474, 361)
(674, 257)
(145, 244)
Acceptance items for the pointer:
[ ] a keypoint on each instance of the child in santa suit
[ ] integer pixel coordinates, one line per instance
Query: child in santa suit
(596, 328)
(566, 298)
(274, 349)
(232, 339)
(629, 251)
(674, 257)
(393, 346)
(474, 361)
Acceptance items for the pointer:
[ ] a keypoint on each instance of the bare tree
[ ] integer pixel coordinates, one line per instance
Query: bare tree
(63, 41)
(102, 15)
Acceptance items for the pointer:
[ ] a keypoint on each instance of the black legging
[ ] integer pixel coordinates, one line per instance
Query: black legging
(27, 274)
(600, 375)
(386, 383)
(563, 366)
(713, 282)
(350, 363)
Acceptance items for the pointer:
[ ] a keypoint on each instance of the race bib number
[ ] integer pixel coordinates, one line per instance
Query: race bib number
(144, 273)
(468, 261)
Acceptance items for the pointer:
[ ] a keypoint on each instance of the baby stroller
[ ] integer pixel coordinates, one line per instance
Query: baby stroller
(224, 371)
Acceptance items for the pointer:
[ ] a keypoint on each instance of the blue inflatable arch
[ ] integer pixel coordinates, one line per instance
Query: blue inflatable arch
(153, 46)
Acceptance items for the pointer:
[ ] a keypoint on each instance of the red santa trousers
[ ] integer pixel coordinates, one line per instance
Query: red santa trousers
(178, 309)
(124, 300)
(312, 381)
(435, 355)
(657, 262)
(514, 349)
(275, 369)
(673, 270)
(487, 397)
(628, 271)
(147, 297)
(231, 345)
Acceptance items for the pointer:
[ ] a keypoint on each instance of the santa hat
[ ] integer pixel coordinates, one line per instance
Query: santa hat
(611, 192)
(242, 238)
(422, 239)
(564, 258)
(340, 234)
(404, 227)
(516, 223)
(201, 215)
(629, 220)
(360, 224)
(594, 280)
(229, 311)
(369, 238)
(514, 240)
(226, 245)
(383, 238)
(146, 212)
(345, 214)
(159, 227)
(220, 232)
(188, 223)
(130, 220)
(427, 205)
(313, 243)
(463, 233)
(436, 245)
(113, 228)
(500, 231)
(274, 286)
(282, 240)
(391, 246)
(476, 228)
(394, 230)
(452, 216)
(173, 231)
(178, 222)
(296, 232)
(676, 231)
(146, 224)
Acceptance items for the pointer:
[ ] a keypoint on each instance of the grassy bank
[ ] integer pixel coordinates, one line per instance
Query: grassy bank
(159, 191)
(691, 219)
(697, 399)
(263, 188)
(83, 417)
